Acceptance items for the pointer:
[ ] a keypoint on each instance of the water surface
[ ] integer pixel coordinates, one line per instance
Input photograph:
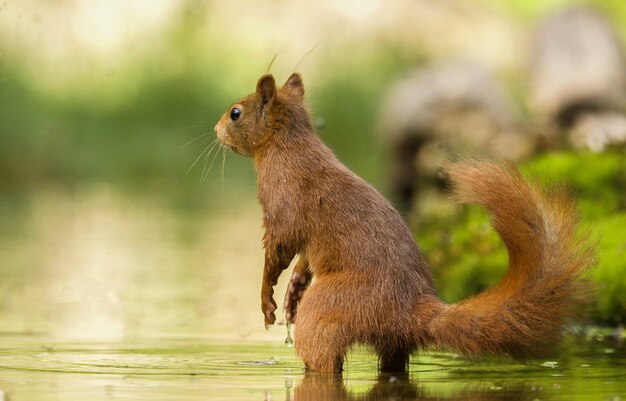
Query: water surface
(111, 296)
(35, 368)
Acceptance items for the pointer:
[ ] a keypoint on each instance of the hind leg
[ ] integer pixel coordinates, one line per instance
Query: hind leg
(393, 360)
(324, 331)
(321, 343)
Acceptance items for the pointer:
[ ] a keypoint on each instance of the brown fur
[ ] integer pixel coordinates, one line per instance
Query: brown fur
(372, 286)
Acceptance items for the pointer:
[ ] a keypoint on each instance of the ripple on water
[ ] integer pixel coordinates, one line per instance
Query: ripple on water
(141, 360)
(192, 370)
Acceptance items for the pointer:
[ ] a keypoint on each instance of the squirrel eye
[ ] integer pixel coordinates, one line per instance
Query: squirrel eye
(235, 113)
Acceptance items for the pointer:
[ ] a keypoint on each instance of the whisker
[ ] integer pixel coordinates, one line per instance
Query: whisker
(199, 124)
(211, 165)
(204, 141)
(205, 144)
(206, 159)
(269, 67)
(207, 149)
(295, 69)
(224, 149)
(223, 161)
(196, 138)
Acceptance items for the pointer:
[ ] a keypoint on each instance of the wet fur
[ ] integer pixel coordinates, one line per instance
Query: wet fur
(372, 286)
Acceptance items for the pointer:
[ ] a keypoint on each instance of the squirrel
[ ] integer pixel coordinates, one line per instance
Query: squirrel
(372, 285)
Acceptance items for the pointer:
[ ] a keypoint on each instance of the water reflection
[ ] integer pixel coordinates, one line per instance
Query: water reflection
(101, 265)
(316, 387)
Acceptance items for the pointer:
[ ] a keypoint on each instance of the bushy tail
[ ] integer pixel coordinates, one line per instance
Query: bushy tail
(536, 299)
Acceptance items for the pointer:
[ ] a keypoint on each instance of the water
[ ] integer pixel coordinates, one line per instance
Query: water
(289, 339)
(109, 296)
(35, 368)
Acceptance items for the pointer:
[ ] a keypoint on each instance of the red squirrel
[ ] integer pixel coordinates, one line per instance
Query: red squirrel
(372, 286)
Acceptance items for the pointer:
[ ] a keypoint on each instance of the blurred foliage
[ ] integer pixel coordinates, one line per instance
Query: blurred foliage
(137, 143)
(139, 126)
(532, 9)
(129, 126)
(346, 104)
(467, 255)
(153, 134)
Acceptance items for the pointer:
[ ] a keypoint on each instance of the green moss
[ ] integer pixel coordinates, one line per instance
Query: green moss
(465, 252)
(597, 180)
(609, 275)
(467, 256)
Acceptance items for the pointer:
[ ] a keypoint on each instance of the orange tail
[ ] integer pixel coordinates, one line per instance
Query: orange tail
(536, 299)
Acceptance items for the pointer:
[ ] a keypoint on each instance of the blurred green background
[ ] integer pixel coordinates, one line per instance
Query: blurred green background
(113, 90)
(124, 95)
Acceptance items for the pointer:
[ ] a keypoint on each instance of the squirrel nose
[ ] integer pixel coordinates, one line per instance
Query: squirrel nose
(218, 129)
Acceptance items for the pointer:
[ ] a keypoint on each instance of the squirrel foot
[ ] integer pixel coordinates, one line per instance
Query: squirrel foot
(268, 306)
(297, 285)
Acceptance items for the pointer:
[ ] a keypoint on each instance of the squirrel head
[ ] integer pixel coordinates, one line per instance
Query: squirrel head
(252, 121)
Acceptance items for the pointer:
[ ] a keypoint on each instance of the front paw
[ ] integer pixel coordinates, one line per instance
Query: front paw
(297, 285)
(268, 306)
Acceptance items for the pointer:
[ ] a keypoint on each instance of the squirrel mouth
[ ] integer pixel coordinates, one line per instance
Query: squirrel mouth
(224, 141)
(221, 136)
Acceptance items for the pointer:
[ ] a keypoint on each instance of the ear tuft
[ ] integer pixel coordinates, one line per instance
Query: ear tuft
(266, 88)
(294, 85)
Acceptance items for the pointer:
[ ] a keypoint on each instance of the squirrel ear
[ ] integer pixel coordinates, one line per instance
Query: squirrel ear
(294, 84)
(266, 88)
